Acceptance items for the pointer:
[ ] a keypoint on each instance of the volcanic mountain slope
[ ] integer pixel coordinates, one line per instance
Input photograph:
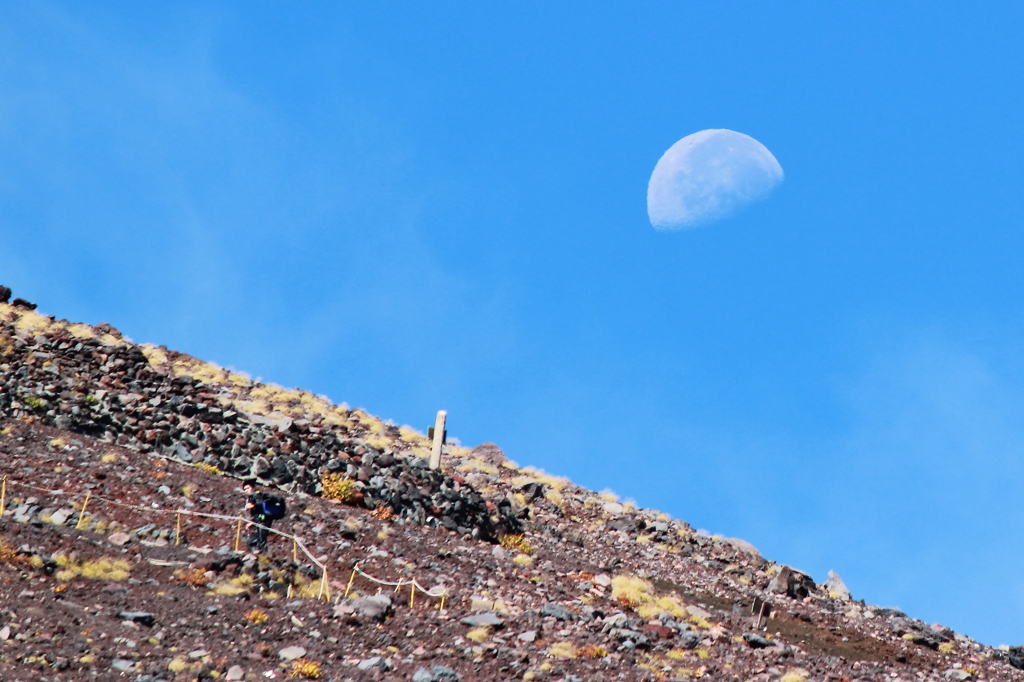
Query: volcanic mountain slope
(538, 578)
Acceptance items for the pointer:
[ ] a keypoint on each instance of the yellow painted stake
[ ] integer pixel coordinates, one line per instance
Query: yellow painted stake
(443, 595)
(81, 514)
(289, 591)
(238, 534)
(324, 587)
(398, 587)
(350, 581)
(412, 595)
(295, 550)
(3, 496)
(177, 532)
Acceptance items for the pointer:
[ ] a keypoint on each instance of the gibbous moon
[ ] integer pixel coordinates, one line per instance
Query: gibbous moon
(707, 176)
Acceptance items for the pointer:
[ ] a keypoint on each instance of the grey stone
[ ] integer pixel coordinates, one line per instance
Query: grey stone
(444, 674)
(755, 641)
(489, 619)
(557, 611)
(957, 674)
(140, 617)
(122, 664)
(235, 672)
(835, 586)
(376, 607)
(182, 453)
(690, 640)
(623, 523)
(290, 653)
(371, 663)
(261, 467)
(528, 636)
(916, 632)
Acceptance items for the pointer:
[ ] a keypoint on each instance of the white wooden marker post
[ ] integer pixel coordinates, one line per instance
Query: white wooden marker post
(435, 454)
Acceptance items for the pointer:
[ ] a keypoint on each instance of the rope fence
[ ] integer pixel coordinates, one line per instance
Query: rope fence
(411, 583)
(297, 544)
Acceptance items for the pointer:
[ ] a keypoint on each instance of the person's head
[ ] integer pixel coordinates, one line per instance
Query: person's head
(248, 488)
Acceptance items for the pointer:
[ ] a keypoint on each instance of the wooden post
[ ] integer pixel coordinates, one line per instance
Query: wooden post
(238, 534)
(3, 496)
(81, 514)
(412, 595)
(177, 531)
(435, 453)
(295, 550)
(350, 581)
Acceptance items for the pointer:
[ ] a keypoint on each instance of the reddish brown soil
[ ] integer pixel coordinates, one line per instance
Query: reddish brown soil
(71, 630)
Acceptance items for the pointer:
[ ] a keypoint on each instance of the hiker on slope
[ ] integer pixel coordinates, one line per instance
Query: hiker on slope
(264, 508)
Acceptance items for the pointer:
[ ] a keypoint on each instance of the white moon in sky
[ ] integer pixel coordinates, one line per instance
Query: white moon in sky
(707, 176)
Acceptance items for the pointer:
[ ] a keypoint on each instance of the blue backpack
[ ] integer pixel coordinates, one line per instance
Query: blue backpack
(273, 508)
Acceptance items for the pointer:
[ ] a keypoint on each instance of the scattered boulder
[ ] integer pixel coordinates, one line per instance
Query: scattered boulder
(377, 607)
(755, 641)
(557, 611)
(792, 583)
(1015, 657)
(140, 617)
(835, 586)
(5, 294)
(613, 508)
(490, 453)
(373, 663)
(916, 632)
(437, 673)
(743, 546)
(119, 539)
(290, 653)
(489, 619)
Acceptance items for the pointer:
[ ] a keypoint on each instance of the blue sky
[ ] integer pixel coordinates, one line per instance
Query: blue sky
(423, 206)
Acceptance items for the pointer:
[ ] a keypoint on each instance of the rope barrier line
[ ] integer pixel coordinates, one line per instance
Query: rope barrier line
(400, 583)
(413, 584)
(298, 543)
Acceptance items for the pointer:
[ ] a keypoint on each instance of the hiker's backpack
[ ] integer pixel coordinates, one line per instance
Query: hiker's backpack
(273, 507)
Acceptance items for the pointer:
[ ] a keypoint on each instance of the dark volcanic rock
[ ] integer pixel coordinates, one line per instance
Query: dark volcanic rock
(140, 617)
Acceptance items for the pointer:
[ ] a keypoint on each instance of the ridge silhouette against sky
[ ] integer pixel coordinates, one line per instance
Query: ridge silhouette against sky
(444, 207)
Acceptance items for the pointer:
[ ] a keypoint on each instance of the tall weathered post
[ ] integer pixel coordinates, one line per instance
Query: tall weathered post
(435, 454)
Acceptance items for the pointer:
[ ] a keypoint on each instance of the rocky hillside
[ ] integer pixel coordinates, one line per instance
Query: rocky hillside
(540, 579)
